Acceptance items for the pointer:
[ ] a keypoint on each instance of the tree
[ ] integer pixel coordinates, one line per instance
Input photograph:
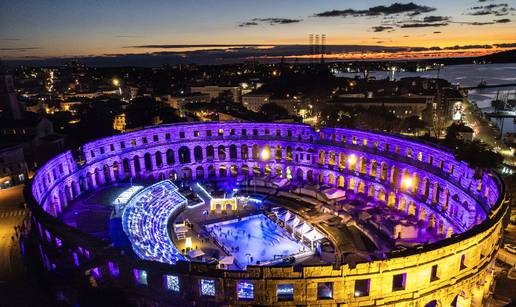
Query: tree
(413, 124)
(274, 111)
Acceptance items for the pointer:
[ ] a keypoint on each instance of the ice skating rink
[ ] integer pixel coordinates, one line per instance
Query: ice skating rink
(255, 237)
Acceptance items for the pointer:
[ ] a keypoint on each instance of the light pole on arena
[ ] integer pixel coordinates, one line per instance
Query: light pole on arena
(265, 155)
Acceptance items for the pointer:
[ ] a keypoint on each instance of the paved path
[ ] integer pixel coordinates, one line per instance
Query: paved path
(16, 287)
(487, 133)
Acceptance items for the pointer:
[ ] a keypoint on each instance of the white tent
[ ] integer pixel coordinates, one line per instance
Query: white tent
(334, 193)
(196, 253)
(280, 182)
(227, 260)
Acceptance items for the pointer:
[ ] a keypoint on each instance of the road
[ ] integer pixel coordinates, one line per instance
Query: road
(487, 133)
(15, 284)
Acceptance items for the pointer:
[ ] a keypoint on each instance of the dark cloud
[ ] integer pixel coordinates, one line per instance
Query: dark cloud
(270, 21)
(499, 9)
(436, 18)
(128, 36)
(504, 20)
(248, 24)
(410, 8)
(382, 28)
(19, 49)
(479, 23)
(425, 22)
(437, 32)
(506, 45)
(179, 46)
(456, 47)
(10, 39)
(423, 25)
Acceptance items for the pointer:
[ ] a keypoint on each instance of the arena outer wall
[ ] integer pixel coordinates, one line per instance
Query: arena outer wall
(464, 206)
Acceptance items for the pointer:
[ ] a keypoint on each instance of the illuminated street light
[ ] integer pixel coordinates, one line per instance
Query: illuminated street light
(407, 182)
(116, 82)
(352, 159)
(265, 155)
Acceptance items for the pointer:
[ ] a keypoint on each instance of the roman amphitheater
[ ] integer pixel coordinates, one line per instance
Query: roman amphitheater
(241, 213)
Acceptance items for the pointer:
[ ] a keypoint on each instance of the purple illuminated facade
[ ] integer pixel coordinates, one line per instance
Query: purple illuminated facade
(424, 183)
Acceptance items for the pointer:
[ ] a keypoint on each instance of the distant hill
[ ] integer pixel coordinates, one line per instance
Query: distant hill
(508, 56)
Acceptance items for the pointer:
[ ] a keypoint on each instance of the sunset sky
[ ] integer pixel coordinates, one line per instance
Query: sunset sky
(51, 28)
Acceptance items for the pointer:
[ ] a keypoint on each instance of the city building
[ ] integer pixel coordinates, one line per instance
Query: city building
(10, 106)
(214, 91)
(13, 168)
(401, 106)
(179, 101)
(254, 102)
(119, 123)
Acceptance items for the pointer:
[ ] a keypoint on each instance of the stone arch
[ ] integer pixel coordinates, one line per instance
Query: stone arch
(278, 171)
(256, 170)
(233, 155)
(198, 155)
(321, 157)
(340, 182)
(210, 153)
(371, 190)
(394, 175)
(170, 157)
(391, 202)
(223, 172)
(278, 153)
(172, 175)
(342, 160)
(199, 173)
(256, 152)
(310, 176)
(212, 172)
(421, 214)
(186, 173)
(158, 157)
(331, 179)
(161, 176)
(362, 165)
(244, 152)
(415, 182)
(433, 303)
(288, 173)
(147, 161)
(425, 187)
(402, 203)
(233, 170)
(351, 184)
(374, 166)
(383, 171)
(221, 152)
(184, 155)
(267, 170)
(245, 170)
(126, 166)
(361, 187)
(288, 157)
(299, 175)
(331, 158)
(411, 209)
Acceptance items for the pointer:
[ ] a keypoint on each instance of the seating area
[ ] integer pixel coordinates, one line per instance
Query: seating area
(145, 221)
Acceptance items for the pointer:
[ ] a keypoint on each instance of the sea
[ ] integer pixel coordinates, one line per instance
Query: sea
(468, 75)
